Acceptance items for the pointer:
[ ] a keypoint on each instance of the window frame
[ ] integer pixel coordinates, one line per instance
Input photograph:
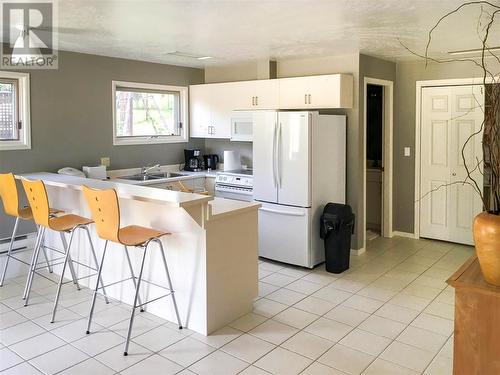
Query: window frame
(22, 110)
(147, 140)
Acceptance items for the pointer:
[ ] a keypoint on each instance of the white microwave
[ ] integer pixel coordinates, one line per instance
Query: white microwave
(242, 126)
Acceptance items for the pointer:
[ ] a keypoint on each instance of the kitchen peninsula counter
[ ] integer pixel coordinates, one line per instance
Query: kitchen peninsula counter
(212, 252)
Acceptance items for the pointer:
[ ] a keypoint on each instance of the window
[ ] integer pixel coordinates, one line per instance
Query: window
(146, 113)
(14, 111)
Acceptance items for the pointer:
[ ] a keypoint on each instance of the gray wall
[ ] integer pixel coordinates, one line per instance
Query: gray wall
(408, 73)
(218, 146)
(372, 67)
(71, 117)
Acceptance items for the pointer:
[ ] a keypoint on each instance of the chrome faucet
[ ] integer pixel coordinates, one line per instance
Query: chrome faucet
(145, 170)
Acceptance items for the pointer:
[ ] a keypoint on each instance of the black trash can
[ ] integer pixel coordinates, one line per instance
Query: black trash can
(336, 228)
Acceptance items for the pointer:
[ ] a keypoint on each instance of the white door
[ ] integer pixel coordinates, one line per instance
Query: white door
(284, 234)
(264, 156)
(294, 154)
(449, 116)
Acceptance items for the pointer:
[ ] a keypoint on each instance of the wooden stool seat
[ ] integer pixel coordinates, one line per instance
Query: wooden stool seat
(68, 222)
(25, 213)
(135, 235)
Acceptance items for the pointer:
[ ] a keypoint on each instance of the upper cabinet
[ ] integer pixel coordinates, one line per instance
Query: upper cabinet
(261, 94)
(325, 91)
(210, 110)
(211, 105)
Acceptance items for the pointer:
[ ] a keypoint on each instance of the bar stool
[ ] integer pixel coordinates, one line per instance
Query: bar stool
(10, 198)
(105, 211)
(39, 203)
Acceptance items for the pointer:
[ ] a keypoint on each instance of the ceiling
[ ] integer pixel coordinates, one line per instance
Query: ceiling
(237, 31)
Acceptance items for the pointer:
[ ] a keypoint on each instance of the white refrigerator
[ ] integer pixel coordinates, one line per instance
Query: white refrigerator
(298, 167)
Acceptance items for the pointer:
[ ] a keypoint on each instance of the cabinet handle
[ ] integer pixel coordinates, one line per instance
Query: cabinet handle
(309, 98)
(256, 100)
(253, 100)
(305, 98)
(213, 130)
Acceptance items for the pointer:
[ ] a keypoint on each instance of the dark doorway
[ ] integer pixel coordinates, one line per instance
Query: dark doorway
(374, 159)
(374, 122)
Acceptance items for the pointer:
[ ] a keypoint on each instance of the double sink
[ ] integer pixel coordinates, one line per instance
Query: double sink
(152, 176)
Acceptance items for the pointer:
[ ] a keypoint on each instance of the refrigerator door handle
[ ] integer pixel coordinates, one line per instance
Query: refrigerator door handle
(288, 213)
(280, 162)
(274, 155)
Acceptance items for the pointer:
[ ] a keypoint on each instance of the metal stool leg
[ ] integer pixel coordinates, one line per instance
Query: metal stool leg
(67, 260)
(132, 273)
(39, 239)
(125, 352)
(34, 262)
(158, 241)
(96, 287)
(49, 267)
(70, 264)
(10, 251)
(95, 261)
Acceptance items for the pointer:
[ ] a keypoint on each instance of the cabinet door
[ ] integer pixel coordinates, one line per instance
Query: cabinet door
(244, 95)
(293, 93)
(266, 94)
(200, 110)
(221, 104)
(324, 91)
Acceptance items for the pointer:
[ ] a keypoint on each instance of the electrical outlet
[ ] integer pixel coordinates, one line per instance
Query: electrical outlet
(106, 161)
(407, 151)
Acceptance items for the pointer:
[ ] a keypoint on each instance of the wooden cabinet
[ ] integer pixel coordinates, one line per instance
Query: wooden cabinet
(210, 185)
(210, 108)
(325, 91)
(477, 322)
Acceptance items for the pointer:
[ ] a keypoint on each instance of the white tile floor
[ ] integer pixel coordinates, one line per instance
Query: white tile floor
(391, 313)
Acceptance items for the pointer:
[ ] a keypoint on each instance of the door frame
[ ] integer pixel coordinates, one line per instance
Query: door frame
(418, 125)
(388, 125)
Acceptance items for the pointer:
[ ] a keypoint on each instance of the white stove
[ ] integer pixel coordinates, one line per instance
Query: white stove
(236, 184)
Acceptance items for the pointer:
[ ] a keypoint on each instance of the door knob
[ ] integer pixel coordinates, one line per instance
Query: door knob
(453, 174)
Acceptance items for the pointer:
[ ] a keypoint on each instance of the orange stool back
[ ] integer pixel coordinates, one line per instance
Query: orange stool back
(105, 209)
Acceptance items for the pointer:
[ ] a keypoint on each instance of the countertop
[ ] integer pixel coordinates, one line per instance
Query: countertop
(221, 207)
(124, 190)
(218, 206)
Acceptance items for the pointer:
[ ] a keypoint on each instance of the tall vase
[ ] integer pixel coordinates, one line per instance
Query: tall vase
(487, 240)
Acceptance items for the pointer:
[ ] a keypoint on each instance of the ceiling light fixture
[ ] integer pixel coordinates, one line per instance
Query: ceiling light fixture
(474, 51)
(189, 55)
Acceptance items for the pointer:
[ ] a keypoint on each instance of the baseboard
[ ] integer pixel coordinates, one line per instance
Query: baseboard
(358, 251)
(29, 240)
(404, 234)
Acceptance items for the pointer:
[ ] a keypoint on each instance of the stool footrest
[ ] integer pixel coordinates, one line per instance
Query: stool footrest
(153, 300)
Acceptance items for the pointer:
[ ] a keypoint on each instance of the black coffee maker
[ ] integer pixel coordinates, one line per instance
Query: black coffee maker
(210, 161)
(193, 161)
